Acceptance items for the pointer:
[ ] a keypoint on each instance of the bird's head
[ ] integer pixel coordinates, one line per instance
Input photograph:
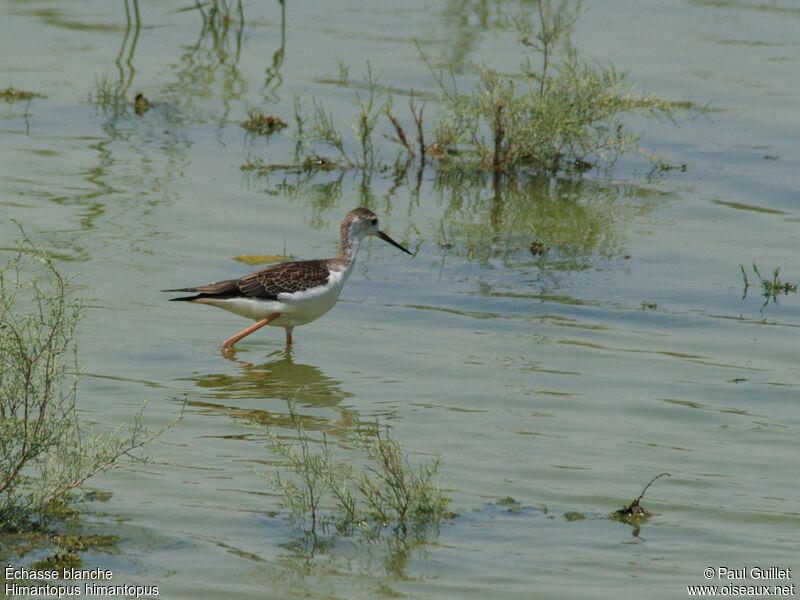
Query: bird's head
(362, 222)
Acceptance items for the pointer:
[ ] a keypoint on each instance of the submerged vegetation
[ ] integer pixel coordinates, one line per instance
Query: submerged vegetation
(12, 94)
(219, 13)
(556, 114)
(259, 123)
(67, 548)
(109, 93)
(388, 492)
(45, 451)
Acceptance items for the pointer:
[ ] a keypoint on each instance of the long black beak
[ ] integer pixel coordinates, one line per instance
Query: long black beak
(386, 238)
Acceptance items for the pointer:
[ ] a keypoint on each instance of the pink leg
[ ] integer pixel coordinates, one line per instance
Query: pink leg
(228, 344)
(289, 335)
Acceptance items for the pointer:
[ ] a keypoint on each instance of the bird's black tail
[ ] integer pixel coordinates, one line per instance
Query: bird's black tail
(184, 298)
(220, 289)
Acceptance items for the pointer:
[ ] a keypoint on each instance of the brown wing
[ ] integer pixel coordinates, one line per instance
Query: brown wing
(284, 278)
(265, 284)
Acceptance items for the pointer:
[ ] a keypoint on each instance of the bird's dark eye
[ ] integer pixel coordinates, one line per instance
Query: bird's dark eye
(374, 221)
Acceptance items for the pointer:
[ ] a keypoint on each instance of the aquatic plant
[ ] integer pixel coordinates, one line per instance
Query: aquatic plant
(218, 13)
(259, 123)
(109, 93)
(557, 113)
(67, 549)
(770, 287)
(634, 514)
(45, 451)
(324, 131)
(12, 94)
(392, 489)
(388, 492)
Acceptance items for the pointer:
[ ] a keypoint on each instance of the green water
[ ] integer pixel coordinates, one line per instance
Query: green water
(565, 382)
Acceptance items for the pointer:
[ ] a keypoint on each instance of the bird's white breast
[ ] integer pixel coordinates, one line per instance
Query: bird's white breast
(310, 304)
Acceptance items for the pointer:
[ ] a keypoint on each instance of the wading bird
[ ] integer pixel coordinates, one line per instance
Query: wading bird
(292, 293)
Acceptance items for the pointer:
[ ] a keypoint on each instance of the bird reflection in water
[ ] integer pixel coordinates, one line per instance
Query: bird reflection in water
(249, 393)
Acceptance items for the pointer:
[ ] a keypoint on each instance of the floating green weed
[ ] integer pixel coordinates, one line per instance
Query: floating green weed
(574, 516)
(310, 163)
(262, 259)
(69, 547)
(12, 94)
(59, 549)
(258, 123)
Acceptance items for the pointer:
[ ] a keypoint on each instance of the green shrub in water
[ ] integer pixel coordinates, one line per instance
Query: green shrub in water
(319, 491)
(45, 452)
(557, 113)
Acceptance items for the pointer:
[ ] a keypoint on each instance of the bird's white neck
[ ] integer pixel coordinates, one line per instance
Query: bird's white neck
(348, 247)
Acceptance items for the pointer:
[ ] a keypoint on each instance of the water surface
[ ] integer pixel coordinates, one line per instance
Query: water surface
(565, 382)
